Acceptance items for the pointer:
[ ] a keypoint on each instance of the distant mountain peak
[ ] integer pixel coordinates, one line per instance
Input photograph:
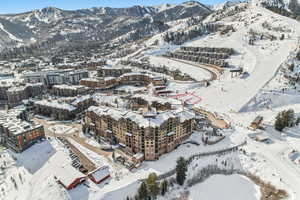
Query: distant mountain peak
(226, 4)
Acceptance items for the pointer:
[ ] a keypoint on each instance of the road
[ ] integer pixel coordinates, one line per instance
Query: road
(75, 137)
(215, 71)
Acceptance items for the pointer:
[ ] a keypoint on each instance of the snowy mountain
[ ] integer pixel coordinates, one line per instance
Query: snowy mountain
(224, 5)
(96, 24)
(292, 6)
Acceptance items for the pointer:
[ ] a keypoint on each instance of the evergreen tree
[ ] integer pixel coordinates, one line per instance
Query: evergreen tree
(284, 119)
(152, 185)
(181, 169)
(113, 155)
(163, 187)
(279, 122)
(297, 121)
(143, 192)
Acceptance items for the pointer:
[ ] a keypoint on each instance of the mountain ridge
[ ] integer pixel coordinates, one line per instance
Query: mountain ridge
(101, 23)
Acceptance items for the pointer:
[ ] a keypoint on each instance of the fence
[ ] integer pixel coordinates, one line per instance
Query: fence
(191, 158)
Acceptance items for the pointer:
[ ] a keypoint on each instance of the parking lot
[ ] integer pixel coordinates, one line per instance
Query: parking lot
(79, 160)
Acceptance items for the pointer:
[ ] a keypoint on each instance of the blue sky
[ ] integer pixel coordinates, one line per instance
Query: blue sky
(17, 6)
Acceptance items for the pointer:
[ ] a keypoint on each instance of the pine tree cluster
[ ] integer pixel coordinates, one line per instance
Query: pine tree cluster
(179, 37)
(285, 119)
(150, 188)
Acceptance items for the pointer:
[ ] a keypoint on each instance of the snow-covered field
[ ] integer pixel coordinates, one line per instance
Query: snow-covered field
(233, 187)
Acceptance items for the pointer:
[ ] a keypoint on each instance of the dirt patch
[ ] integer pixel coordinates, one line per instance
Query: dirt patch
(268, 191)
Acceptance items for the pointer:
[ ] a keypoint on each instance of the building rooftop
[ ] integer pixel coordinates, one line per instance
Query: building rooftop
(81, 99)
(150, 99)
(70, 87)
(138, 118)
(56, 104)
(9, 119)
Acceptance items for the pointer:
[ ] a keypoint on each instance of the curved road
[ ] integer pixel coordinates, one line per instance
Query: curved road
(208, 68)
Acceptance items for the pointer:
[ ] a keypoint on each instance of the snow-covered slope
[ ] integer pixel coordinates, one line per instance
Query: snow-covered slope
(292, 6)
(97, 24)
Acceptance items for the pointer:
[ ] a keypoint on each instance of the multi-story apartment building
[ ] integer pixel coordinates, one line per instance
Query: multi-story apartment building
(133, 78)
(100, 83)
(56, 77)
(6, 75)
(149, 133)
(138, 101)
(83, 102)
(106, 71)
(16, 133)
(69, 90)
(55, 109)
(15, 95)
(5, 84)
(75, 76)
(63, 108)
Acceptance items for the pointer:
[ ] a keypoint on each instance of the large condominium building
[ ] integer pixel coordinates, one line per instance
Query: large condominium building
(149, 133)
(16, 133)
(63, 109)
(140, 78)
(69, 90)
(5, 84)
(17, 94)
(107, 71)
(56, 77)
(56, 109)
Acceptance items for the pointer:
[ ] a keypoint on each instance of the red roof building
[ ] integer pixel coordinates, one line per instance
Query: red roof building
(99, 174)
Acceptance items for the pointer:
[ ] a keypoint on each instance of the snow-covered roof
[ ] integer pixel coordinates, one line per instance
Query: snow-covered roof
(15, 125)
(100, 173)
(160, 100)
(69, 87)
(65, 173)
(139, 118)
(81, 99)
(131, 88)
(17, 89)
(56, 104)
(114, 67)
